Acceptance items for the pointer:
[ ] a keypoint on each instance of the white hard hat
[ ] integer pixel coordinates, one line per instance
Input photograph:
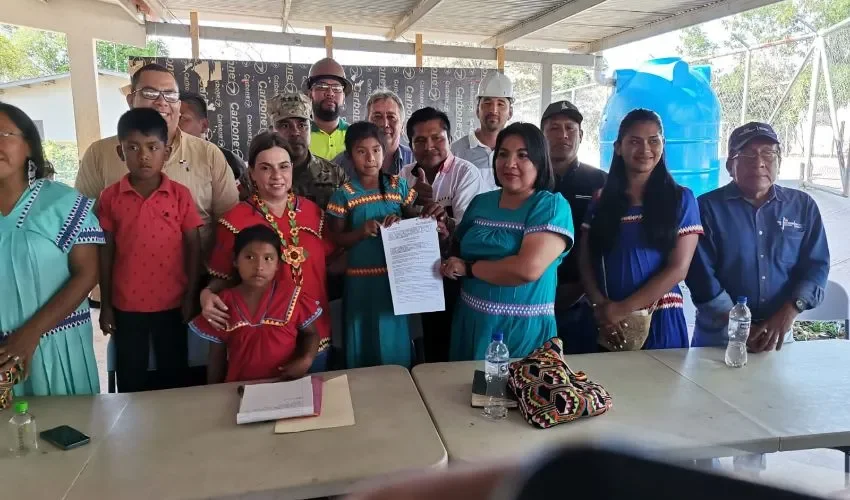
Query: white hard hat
(496, 84)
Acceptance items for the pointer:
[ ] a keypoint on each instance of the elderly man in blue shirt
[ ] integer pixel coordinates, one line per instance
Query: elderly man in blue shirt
(762, 241)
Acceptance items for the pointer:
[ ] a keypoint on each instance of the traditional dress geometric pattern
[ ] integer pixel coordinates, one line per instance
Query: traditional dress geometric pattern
(550, 393)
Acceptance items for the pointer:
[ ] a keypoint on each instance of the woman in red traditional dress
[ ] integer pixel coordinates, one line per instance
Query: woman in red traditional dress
(297, 221)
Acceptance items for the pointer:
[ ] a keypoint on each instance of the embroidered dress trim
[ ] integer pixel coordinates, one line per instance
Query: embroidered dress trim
(500, 309)
(670, 300)
(549, 228)
(73, 320)
(365, 271)
(89, 236)
(336, 210)
(312, 318)
(216, 274)
(230, 227)
(36, 188)
(348, 188)
(514, 226)
(372, 198)
(411, 197)
(695, 229)
(194, 329)
(324, 344)
(74, 223)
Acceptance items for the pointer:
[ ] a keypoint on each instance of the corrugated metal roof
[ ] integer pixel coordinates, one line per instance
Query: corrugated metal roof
(579, 24)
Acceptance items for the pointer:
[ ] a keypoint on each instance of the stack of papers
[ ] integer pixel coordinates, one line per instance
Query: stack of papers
(281, 400)
(337, 410)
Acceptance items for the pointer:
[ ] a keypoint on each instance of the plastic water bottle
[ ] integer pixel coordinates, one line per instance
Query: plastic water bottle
(496, 375)
(22, 432)
(739, 329)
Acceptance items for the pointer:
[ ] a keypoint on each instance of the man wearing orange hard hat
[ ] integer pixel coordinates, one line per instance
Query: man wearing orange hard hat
(327, 87)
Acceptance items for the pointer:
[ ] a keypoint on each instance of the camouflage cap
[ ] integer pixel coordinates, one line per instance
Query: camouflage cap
(292, 105)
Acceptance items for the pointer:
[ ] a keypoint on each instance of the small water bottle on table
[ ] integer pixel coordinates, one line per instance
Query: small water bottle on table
(739, 329)
(496, 375)
(22, 432)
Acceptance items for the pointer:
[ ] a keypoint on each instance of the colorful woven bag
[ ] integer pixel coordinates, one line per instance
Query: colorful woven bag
(549, 393)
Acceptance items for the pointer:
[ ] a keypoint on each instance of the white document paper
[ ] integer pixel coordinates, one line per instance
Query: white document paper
(412, 249)
(262, 402)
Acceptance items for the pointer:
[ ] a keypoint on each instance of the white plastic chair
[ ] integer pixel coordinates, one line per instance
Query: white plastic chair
(835, 307)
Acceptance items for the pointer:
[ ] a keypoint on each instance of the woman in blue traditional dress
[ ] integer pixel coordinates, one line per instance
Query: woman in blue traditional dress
(49, 238)
(643, 231)
(510, 243)
(374, 335)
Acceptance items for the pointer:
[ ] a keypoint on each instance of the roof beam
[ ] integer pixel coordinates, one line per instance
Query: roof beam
(357, 44)
(684, 20)
(405, 23)
(540, 21)
(284, 16)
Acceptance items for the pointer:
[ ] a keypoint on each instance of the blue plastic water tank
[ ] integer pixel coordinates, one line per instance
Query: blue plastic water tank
(689, 110)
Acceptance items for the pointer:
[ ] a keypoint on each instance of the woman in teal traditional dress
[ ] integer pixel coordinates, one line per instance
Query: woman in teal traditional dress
(510, 244)
(374, 335)
(48, 239)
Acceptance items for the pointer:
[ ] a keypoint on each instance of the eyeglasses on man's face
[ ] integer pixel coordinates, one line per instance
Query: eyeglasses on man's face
(768, 156)
(328, 87)
(152, 94)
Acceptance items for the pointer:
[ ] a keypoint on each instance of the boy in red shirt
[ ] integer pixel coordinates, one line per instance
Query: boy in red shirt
(150, 266)
(271, 331)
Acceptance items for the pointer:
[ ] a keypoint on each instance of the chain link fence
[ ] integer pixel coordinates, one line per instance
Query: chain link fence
(771, 83)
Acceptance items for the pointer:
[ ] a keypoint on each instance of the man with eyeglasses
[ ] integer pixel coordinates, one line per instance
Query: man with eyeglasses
(385, 110)
(762, 241)
(194, 162)
(327, 87)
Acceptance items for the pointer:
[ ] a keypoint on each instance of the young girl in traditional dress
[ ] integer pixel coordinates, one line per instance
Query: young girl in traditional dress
(270, 331)
(374, 335)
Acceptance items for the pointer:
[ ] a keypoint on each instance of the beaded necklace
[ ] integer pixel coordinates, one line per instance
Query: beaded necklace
(293, 253)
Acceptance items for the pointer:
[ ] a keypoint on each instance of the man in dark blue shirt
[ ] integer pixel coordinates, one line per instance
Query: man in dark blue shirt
(577, 182)
(762, 241)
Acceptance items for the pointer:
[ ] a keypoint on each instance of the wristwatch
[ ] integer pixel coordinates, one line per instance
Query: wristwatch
(469, 268)
(800, 305)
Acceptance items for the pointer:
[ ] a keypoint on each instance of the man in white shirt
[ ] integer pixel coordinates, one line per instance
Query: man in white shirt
(438, 175)
(495, 108)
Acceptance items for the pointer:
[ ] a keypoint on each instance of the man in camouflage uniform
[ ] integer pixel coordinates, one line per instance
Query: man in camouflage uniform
(312, 177)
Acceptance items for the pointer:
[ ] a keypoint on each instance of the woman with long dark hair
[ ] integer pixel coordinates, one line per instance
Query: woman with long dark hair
(48, 239)
(510, 244)
(643, 231)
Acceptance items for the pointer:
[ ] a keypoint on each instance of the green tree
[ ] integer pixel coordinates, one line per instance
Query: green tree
(114, 57)
(31, 53)
(772, 68)
(694, 42)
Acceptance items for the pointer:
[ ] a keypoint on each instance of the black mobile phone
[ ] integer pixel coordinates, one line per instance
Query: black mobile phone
(65, 437)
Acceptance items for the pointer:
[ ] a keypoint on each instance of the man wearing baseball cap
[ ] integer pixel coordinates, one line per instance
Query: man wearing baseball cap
(577, 182)
(762, 241)
(327, 87)
(312, 177)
